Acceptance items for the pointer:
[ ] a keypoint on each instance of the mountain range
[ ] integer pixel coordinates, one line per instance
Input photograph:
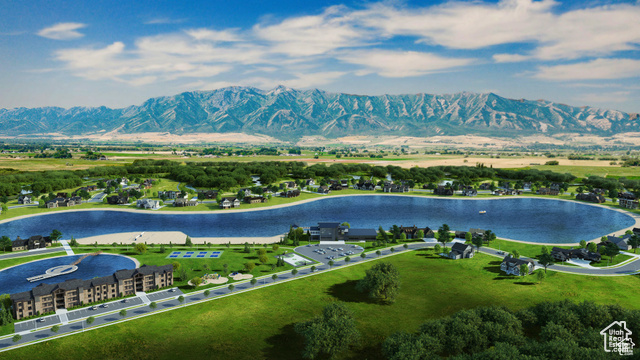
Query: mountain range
(288, 113)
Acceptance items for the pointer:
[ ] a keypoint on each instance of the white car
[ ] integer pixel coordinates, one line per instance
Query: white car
(41, 320)
(93, 307)
(105, 305)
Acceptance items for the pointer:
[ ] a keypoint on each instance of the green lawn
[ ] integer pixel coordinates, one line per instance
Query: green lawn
(259, 324)
(234, 257)
(527, 250)
(21, 260)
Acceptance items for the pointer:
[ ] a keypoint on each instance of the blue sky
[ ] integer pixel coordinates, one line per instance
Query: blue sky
(89, 53)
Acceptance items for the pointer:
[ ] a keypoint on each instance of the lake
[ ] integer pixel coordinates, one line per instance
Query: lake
(526, 219)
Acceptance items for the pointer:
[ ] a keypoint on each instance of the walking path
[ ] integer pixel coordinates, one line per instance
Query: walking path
(66, 247)
(62, 313)
(143, 297)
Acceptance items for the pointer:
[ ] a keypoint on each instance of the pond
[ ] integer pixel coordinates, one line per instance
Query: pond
(526, 219)
(14, 280)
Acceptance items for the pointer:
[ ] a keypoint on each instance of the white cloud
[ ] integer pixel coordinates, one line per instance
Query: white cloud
(597, 69)
(314, 35)
(504, 58)
(62, 31)
(163, 21)
(389, 63)
(212, 35)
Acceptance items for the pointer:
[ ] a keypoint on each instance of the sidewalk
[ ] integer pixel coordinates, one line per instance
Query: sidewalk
(66, 247)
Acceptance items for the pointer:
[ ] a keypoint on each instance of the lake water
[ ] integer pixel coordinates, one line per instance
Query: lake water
(527, 219)
(13, 280)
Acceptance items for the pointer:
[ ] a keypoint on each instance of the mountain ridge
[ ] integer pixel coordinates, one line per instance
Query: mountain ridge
(285, 113)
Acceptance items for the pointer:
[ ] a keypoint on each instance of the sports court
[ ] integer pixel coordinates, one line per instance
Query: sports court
(194, 254)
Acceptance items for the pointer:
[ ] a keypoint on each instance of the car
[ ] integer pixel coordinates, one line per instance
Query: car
(105, 305)
(93, 307)
(125, 301)
(41, 320)
(501, 252)
(172, 289)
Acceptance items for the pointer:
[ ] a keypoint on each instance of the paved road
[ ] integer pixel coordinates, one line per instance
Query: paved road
(97, 198)
(329, 250)
(31, 253)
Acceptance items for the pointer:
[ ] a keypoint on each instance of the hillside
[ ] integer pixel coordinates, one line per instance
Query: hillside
(288, 113)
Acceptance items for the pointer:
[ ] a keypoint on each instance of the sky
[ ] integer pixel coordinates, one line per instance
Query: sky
(117, 53)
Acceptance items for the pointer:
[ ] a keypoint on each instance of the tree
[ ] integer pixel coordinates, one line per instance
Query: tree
(5, 243)
(313, 268)
(383, 235)
(176, 266)
(274, 277)
(478, 242)
(444, 235)
(583, 244)
(5, 208)
(328, 334)
(187, 242)
(153, 305)
(392, 250)
(141, 248)
(592, 247)
(253, 282)
(489, 236)
(73, 242)
(420, 234)
(381, 282)
(247, 249)
(405, 246)
(541, 275)
(294, 272)
(515, 254)
(263, 259)
(330, 264)
(275, 247)
(55, 328)
(196, 281)
(90, 320)
(55, 235)
(545, 260)
(363, 255)
(249, 266)
(437, 249)
(468, 237)
(181, 299)
(346, 224)
(611, 250)
(524, 269)
(634, 241)
(231, 287)
(16, 338)
(123, 313)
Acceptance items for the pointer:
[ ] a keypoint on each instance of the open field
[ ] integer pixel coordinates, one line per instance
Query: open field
(259, 324)
(21, 260)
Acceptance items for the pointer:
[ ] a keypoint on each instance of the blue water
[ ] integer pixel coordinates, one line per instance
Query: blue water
(527, 219)
(14, 280)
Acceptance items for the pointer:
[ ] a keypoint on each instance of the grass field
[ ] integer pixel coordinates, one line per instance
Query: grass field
(21, 260)
(259, 324)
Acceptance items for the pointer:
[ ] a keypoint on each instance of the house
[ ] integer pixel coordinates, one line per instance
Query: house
(335, 186)
(229, 202)
(168, 194)
(182, 202)
(411, 232)
(207, 194)
(148, 204)
(627, 200)
(547, 191)
(118, 200)
(246, 191)
(591, 197)
(309, 182)
(255, 199)
(512, 265)
(323, 190)
(461, 251)
(61, 195)
(469, 191)
(24, 199)
(333, 231)
(498, 192)
(621, 242)
(34, 242)
(46, 298)
(485, 186)
(441, 190)
(636, 231)
(344, 184)
(290, 193)
(393, 187)
(364, 185)
(560, 254)
(147, 184)
(461, 234)
(63, 202)
(124, 181)
(288, 185)
(477, 232)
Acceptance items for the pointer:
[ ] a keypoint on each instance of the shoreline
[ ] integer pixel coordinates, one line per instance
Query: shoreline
(135, 261)
(241, 240)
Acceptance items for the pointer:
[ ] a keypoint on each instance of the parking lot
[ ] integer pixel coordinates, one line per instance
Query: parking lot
(324, 253)
(37, 323)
